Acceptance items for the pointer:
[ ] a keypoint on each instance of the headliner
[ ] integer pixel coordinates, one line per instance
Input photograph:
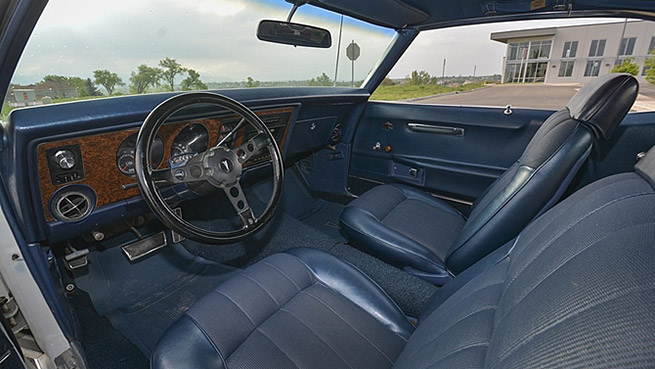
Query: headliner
(428, 14)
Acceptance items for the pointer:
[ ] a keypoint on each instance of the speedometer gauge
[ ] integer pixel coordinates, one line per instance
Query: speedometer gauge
(191, 140)
(126, 150)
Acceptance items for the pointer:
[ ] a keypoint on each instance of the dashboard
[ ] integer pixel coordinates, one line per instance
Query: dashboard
(77, 175)
(78, 156)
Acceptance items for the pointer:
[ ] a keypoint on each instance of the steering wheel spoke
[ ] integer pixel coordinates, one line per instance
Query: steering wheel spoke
(191, 171)
(240, 204)
(252, 147)
(162, 176)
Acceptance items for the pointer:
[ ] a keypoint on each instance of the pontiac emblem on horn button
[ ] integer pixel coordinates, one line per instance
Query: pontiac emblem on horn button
(226, 165)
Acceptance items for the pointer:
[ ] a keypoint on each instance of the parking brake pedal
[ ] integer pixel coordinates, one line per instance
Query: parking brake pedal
(76, 259)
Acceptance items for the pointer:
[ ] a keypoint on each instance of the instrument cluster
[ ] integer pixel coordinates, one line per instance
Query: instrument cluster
(126, 153)
(190, 141)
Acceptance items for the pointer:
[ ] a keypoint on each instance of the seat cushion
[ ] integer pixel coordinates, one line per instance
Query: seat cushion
(402, 225)
(575, 289)
(303, 308)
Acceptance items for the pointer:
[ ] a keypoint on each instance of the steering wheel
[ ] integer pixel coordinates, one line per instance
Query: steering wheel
(219, 166)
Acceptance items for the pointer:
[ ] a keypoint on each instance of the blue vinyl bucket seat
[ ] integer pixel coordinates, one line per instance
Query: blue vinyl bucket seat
(411, 229)
(575, 289)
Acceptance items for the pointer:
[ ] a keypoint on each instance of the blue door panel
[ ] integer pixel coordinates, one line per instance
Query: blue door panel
(460, 165)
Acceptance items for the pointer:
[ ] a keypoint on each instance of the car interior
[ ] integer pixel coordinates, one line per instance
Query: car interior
(315, 227)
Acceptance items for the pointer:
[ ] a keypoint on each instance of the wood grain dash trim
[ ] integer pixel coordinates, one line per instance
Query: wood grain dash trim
(99, 158)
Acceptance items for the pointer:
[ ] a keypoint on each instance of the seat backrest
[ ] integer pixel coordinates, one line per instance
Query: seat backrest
(576, 289)
(538, 179)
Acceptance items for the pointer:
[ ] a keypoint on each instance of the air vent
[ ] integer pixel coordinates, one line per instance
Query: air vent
(336, 134)
(72, 206)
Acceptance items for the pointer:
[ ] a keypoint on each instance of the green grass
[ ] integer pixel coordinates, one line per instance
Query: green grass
(402, 92)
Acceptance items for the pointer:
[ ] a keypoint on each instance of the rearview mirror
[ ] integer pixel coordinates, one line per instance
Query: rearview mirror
(293, 34)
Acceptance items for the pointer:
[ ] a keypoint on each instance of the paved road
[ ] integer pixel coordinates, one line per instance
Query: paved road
(540, 96)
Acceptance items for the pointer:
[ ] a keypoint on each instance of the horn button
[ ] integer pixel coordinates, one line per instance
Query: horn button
(222, 167)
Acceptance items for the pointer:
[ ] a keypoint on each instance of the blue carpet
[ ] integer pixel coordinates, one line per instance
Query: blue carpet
(143, 298)
(325, 218)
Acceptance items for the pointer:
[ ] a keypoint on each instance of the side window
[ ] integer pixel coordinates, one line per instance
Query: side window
(569, 53)
(597, 48)
(626, 49)
(570, 49)
(593, 68)
(627, 46)
(536, 64)
(596, 51)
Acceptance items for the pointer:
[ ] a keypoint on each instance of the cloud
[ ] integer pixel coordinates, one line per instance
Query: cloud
(217, 39)
(466, 48)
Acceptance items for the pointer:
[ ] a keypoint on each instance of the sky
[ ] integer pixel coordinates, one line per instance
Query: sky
(217, 38)
(467, 49)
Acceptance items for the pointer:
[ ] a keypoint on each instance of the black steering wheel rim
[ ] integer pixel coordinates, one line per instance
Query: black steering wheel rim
(144, 171)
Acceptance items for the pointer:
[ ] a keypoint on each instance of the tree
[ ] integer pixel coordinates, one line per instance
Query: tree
(76, 82)
(143, 78)
(171, 68)
(193, 82)
(418, 78)
(626, 67)
(387, 82)
(649, 65)
(252, 83)
(107, 79)
(322, 80)
(91, 89)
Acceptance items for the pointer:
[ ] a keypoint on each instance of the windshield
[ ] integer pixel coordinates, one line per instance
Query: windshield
(84, 49)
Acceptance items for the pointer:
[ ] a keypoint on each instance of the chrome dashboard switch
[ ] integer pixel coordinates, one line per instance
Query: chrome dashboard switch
(65, 159)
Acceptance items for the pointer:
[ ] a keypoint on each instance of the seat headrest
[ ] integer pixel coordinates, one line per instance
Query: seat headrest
(604, 101)
(646, 166)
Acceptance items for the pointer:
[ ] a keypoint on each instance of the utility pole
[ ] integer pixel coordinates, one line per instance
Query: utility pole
(443, 71)
(352, 63)
(618, 51)
(475, 68)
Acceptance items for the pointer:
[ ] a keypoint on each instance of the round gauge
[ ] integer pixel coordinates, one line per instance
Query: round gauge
(126, 152)
(191, 140)
(125, 162)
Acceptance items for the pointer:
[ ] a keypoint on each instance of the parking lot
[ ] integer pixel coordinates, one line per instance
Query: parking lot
(540, 96)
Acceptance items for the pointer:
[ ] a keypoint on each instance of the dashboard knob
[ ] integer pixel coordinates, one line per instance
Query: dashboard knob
(65, 159)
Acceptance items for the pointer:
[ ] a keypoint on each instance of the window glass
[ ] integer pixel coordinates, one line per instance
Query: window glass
(597, 48)
(592, 69)
(538, 64)
(570, 49)
(627, 46)
(78, 51)
(566, 68)
(539, 49)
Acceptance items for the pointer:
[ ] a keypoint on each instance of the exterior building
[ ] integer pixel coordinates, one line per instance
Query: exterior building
(24, 97)
(574, 54)
(35, 94)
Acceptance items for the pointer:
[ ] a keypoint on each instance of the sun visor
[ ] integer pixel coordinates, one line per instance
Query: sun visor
(387, 13)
